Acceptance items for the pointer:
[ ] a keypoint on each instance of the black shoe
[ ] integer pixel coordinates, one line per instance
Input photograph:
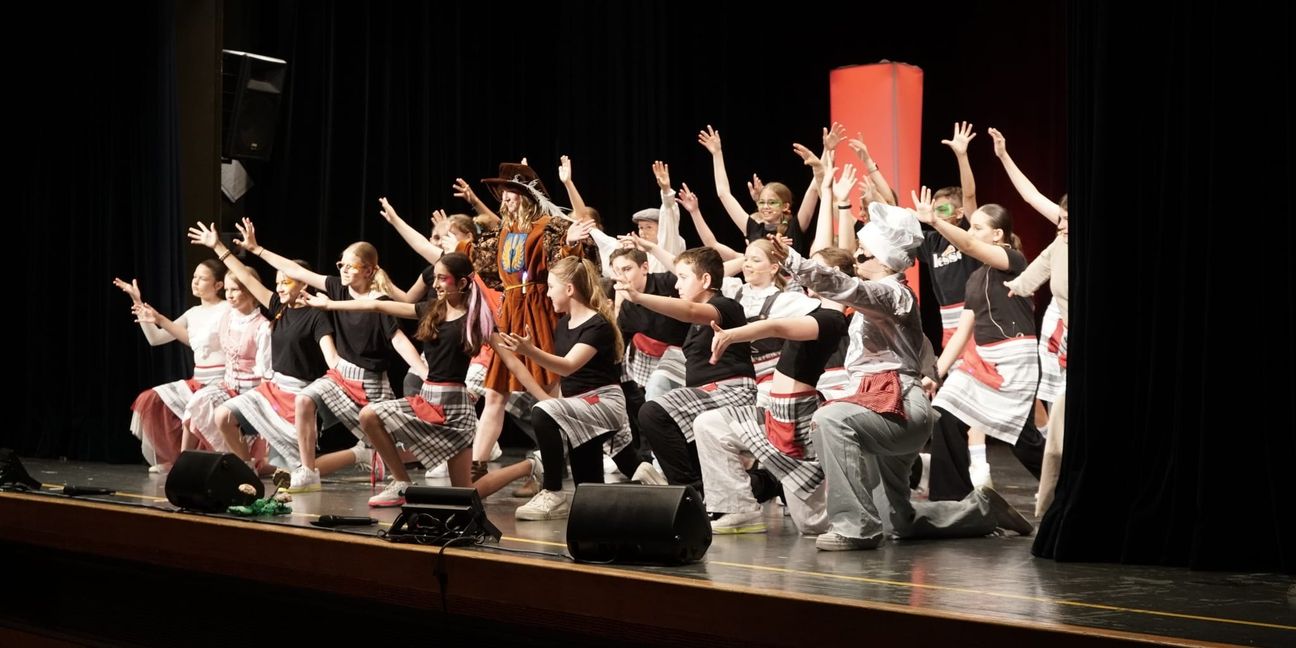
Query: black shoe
(1005, 516)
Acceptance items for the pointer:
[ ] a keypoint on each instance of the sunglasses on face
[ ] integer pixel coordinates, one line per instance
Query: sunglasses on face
(861, 257)
(357, 267)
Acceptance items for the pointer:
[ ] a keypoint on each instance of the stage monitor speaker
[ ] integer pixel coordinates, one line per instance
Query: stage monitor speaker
(252, 88)
(437, 514)
(209, 481)
(655, 525)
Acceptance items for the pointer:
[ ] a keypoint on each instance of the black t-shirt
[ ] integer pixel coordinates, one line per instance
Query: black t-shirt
(445, 356)
(757, 230)
(634, 318)
(950, 268)
(736, 360)
(998, 316)
(363, 339)
(602, 369)
(806, 360)
(294, 340)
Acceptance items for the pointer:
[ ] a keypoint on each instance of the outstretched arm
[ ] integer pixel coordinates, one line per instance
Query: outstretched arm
(710, 139)
(786, 328)
(1024, 186)
(989, 254)
(384, 306)
(672, 307)
(486, 218)
(286, 266)
(577, 357)
(959, 144)
(689, 201)
(206, 235)
(871, 169)
(419, 243)
(565, 175)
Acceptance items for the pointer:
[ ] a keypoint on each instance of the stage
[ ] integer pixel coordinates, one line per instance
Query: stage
(128, 569)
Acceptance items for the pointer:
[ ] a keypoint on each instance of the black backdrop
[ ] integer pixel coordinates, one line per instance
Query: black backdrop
(1177, 453)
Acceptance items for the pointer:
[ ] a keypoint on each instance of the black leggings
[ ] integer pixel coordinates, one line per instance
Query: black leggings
(586, 459)
(678, 458)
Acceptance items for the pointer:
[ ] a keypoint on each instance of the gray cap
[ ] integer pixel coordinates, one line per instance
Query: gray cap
(651, 214)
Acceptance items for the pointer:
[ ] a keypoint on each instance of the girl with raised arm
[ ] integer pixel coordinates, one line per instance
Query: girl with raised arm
(301, 351)
(156, 413)
(364, 341)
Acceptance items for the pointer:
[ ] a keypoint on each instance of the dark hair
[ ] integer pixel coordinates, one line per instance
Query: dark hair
(835, 257)
(955, 195)
(478, 321)
(639, 257)
(1001, 219)
(705, 261)
(217, 268)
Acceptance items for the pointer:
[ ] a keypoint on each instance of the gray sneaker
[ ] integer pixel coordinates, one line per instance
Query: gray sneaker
(833, 541)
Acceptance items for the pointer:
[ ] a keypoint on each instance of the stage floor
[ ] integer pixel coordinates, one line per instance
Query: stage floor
(994, 578)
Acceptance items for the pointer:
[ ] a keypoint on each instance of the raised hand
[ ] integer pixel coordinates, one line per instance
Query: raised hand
(463, 190)
(860, 149)
(388, 212)
(923, 205)
(833, 136)
(754, 187)
(579, 231)
(780, 243)
(626, 291)
(564, 169)
(661, 171)
(810, 159)
(248, 232)
(687, 198)
(204, 235)
(1000, 145)
(710, 139)
(962, 136)
(144, 314)
(131, 289)
(720, 340)
(439, 219)
(842, 187)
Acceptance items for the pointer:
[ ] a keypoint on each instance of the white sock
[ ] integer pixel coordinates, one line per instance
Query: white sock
(978, 453)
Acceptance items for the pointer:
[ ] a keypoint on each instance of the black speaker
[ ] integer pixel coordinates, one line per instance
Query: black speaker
(437, 514)
(209, 481)
(653, 525)
(252, 87)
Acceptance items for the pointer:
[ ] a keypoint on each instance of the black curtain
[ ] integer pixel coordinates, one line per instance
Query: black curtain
(98, 197)
(1179, 426)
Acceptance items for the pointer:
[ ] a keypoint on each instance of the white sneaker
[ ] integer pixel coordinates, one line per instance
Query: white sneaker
(732, 523)
(364, 456)
(304, 481)
(833, 541)
(980, 474)
(648, 474)
(496, 452)
(393, 495)
(439, 471)
(159, 469)
(546, 505)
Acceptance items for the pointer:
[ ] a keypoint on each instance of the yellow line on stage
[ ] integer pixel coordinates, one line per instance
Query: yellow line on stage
(964, 590)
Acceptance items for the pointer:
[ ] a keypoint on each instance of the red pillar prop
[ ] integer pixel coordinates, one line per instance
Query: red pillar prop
(883, 102)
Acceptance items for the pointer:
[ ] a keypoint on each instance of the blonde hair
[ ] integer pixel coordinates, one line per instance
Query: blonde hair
(783, 193)
(368, 255)
(464, 223)
(520, 220)
(586, 279)
(776, 257)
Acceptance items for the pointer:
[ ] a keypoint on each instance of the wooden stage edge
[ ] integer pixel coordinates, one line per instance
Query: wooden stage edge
(586, 599)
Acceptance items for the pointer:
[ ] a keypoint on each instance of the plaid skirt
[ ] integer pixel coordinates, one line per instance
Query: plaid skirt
(835, 383)
(435, 425)
(176, 394)
(268, 411)
(997, 394)
(585, 416)
(670, 366)
(1052, 354)
(684, 405)
(638, 367)
(345, 389)
(791, 413)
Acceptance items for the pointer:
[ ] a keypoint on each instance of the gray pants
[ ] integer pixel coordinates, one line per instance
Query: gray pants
(867, 458)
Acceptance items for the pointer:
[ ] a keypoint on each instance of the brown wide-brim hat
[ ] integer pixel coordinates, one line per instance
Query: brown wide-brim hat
(515, 177)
